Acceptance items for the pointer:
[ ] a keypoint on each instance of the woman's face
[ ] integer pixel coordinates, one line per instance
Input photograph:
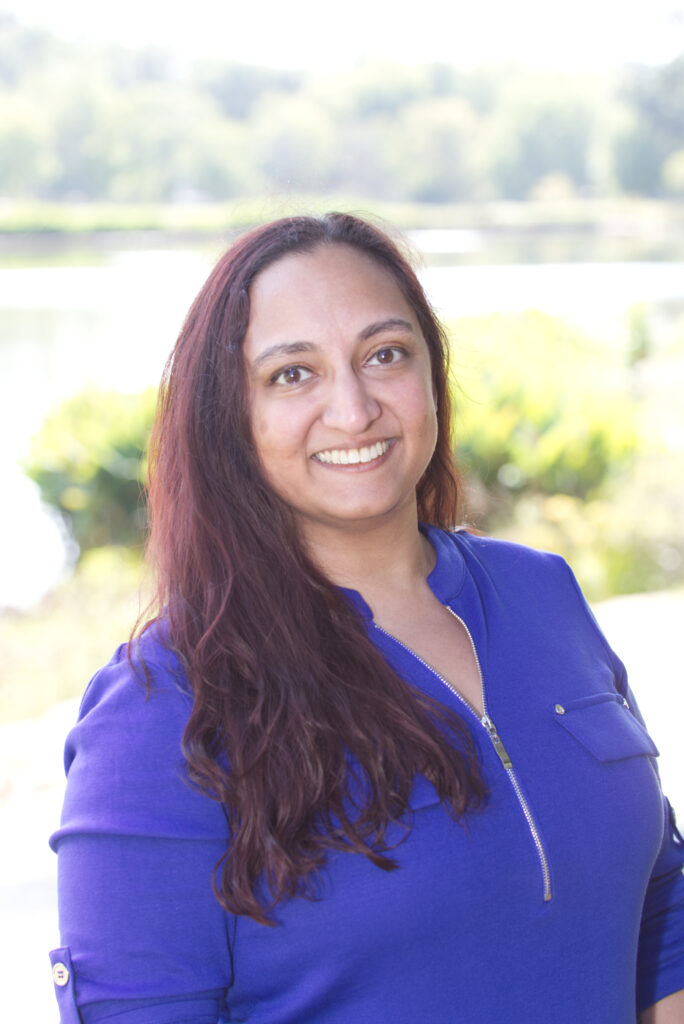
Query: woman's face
(341, 399)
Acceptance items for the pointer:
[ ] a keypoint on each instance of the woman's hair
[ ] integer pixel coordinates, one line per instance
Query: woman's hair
(299, 727)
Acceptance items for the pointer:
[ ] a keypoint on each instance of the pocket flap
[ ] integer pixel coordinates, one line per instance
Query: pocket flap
(605, 727)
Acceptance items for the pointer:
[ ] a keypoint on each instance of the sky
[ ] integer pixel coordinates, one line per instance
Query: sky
(583, 35)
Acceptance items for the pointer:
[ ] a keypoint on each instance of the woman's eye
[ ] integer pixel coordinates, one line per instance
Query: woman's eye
(291, 375)
(385, 356)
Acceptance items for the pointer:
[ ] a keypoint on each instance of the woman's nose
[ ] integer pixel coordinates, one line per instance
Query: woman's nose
(350, 406)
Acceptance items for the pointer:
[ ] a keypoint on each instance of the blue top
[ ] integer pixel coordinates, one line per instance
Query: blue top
(557, 902)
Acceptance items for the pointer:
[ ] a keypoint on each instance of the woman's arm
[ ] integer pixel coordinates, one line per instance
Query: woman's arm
(660, 963)
(142, 932)
(668, 1011)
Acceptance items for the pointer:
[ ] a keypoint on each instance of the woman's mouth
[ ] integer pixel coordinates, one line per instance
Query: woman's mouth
(352, 456)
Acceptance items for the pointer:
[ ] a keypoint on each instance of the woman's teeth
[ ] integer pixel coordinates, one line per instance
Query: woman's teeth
(352, 456)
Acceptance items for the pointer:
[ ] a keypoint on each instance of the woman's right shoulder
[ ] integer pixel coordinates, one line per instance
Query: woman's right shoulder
(143, 669)
(141, 696)
(126, 772)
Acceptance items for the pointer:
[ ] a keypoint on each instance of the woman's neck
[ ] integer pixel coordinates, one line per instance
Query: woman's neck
(378, 558)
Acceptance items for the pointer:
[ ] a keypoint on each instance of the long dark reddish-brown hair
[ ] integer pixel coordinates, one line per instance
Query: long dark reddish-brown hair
(298, 727)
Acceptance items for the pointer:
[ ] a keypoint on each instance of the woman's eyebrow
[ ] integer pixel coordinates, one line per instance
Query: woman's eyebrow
(284, 348)
(389, 324)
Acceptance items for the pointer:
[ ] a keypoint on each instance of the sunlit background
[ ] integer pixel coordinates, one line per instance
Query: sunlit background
(532, 154)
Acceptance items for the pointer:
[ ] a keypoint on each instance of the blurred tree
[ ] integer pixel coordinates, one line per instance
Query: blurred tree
(124, 67)
(294, 143)
(27, 161)
(436, 150)
(79, 106)
(673, 173)
(482, 87)
(656, 98)
(365, 164)
(92, 122)
(22, 49)
(442, 80)
(538, 129)
(377, 87)
(165, 142)
(238, 87)
(638, 158)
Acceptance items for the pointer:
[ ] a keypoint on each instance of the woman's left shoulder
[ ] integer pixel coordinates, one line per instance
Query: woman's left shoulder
(505, 556)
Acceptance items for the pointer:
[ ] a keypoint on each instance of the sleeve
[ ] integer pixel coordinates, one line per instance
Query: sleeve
(144, 940)
(660, 962)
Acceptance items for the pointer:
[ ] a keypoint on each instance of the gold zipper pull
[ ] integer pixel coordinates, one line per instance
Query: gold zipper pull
(496, 742)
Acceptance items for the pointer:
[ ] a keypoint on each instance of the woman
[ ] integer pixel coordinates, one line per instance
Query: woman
(289, 801)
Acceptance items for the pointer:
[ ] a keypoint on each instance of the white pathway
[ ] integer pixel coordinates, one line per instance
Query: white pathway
(646, 630)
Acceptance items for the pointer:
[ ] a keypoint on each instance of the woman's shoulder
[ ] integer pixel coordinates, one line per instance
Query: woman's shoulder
(126, 772)
(493, 557)
(523, 579)
(498, 551)
(141, 697)
(146, 670)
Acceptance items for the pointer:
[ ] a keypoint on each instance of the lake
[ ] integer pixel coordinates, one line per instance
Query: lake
(108, 316)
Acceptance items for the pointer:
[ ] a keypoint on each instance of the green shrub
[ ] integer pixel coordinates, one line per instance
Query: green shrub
(89, 461)
(540, 407)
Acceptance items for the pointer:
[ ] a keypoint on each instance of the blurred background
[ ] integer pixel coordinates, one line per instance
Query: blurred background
(534, 159)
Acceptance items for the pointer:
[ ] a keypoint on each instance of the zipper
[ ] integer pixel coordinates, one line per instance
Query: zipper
(496, 741)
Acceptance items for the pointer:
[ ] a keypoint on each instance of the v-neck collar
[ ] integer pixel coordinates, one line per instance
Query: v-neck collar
(446, 578)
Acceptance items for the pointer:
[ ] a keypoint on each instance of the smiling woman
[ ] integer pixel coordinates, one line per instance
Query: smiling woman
(360, 765)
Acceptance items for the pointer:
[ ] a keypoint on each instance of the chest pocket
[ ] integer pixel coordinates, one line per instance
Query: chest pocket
(605, 726)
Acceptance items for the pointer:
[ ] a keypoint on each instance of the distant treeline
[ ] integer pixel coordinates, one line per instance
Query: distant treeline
(103, 122)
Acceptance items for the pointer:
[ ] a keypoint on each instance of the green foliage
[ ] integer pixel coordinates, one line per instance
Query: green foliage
(103, 122)
(23, 50)
(560, 445)
(537, 132)
(673, 173)
(380, 88)
(26, 156)
(541, 408)
(88, 460)
(612, 548)
(444, 131)
(656, 98)
(293, 143)
(238, 87)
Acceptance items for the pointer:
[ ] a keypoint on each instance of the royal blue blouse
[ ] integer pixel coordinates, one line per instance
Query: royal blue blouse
(561, 901)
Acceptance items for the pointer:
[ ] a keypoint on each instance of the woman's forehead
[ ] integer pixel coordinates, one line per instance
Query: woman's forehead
(333, 283)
